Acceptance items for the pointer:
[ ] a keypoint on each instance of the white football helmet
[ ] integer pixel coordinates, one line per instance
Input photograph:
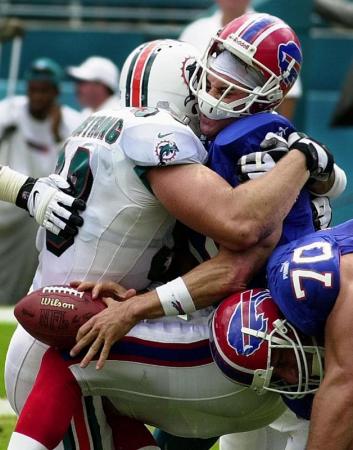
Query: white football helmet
(258, 55)
(157, 74)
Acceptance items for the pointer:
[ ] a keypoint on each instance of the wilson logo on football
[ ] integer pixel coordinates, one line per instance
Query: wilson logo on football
(56, 303)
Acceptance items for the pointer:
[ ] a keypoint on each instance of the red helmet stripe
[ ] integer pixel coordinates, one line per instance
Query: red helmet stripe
(137, 75)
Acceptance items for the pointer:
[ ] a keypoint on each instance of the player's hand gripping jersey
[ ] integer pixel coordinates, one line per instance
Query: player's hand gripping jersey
(124, 223)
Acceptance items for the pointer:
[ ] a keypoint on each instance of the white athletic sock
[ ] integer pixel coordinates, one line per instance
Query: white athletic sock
(19, 441)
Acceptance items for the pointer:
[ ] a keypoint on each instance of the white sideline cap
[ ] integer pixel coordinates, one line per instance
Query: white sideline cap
(96, 68)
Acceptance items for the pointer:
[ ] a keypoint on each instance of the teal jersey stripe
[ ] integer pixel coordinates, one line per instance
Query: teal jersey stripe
(69, 440)
(93, 424)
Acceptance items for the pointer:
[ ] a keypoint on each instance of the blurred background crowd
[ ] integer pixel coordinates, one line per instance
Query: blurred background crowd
(60, 59)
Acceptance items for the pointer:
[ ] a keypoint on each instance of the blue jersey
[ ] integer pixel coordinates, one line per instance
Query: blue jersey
(304, 276)
(243, 137)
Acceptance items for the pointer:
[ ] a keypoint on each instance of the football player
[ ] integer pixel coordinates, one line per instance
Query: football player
(133, 151)
(246, 72)
(136, 168)
(310, 280)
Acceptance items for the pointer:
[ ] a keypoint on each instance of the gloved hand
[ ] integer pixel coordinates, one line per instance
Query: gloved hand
(322, 212)
(49, 200)
(256, 164)
(319, 160)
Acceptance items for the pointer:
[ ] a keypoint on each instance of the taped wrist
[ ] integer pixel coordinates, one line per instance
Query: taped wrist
(175, 298)
(10, 184)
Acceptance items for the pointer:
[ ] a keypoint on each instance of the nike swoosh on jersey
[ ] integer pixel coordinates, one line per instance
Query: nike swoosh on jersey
(161, 135)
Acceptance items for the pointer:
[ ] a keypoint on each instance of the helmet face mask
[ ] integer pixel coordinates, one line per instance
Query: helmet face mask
(247, 332)
(265, 45)
(157, 74)
(308, 362)
(220, 108)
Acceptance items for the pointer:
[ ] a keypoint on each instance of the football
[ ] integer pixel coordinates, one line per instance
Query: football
(53, 314)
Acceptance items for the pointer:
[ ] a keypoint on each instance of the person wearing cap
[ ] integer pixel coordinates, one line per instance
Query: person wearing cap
(97, 82)
(32, 127)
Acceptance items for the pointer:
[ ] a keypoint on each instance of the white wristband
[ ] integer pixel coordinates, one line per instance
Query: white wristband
(10, 184)
(339, 185)
(175, 298)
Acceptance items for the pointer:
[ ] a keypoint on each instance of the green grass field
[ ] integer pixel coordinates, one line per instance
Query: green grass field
(6, 330)
(7, 423)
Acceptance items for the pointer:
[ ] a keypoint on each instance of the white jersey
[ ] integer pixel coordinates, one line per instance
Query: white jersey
(124, 223)
(124, 227)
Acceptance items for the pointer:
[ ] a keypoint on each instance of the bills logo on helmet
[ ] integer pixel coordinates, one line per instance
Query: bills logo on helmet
(246, 315)
(289, 61)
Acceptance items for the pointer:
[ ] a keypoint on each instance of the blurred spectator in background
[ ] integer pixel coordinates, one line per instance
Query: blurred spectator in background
(199, 33)
(97, 84)
(339, 12)
(32, 128)
(343, 113)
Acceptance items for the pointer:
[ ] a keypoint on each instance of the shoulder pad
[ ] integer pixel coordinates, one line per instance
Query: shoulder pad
(160, 140)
